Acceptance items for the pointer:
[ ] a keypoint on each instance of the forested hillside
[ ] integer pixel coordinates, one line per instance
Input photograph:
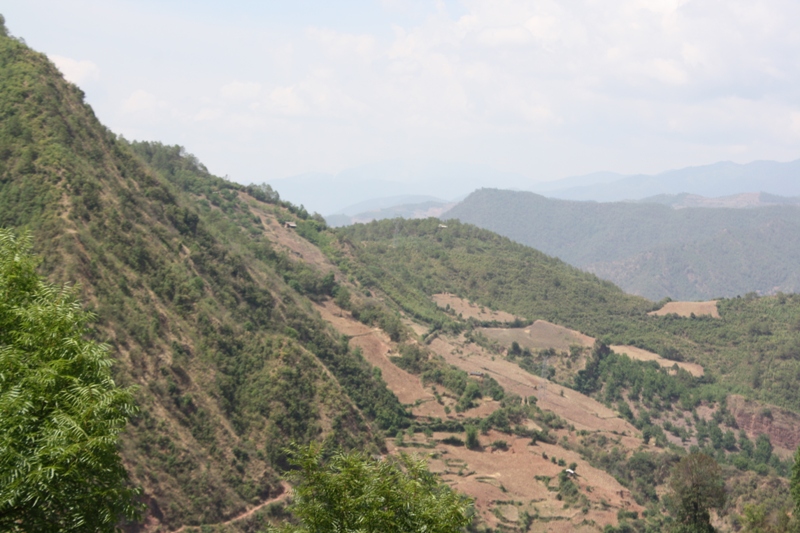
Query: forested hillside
(753, 348)
(651, 249)
(245, 325)
(202, 312)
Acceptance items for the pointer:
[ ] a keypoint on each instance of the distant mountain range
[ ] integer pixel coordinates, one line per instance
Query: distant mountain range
(335, 193)
(737, 201)
(340, 193)
(652, 249)
(394, 207)
(718, 179)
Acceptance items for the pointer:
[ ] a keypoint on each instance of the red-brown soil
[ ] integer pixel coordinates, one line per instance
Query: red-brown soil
(287, 240)
(377, 348)
(687, 309)
(580, 410)
(782, 426)
(504, 483)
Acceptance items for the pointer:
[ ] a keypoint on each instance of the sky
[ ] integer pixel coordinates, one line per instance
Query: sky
(261, 90)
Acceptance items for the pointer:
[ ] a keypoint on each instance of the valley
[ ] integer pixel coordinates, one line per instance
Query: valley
(246, 327)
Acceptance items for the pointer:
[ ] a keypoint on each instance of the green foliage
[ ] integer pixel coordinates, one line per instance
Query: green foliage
(696, 486)
(795, 481)
(478, 265)
(351, 492)
(60, 411)
(409, 261)
(471, 440)
(201, 310)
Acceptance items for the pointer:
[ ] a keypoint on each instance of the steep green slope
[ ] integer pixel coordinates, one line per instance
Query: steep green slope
(414, 259)
(201, 311)
(650, 249)
(753, 349)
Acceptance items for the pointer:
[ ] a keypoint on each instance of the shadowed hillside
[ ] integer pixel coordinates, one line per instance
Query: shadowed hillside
(651, 249)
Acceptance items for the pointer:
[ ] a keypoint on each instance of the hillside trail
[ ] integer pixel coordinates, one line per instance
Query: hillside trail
(247, 514)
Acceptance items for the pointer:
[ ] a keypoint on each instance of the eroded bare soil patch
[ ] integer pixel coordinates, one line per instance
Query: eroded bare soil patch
(540, 335)
(687, 309)
(644, 355)
(467, 309)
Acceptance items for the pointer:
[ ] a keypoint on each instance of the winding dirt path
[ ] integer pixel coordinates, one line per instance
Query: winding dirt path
(247, 514)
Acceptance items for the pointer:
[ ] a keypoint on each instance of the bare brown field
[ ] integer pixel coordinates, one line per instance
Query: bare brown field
(377, 348)
(508, 483)
(504, 483)
(643, 355)
(468, 309)
(577, 409)
(540, 335)
(687, 309)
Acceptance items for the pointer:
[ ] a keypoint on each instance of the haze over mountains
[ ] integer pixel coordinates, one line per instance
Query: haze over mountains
(247, 325)
(330, 194)
(652, 249)
(370, 186)
(641, 244)
(715, 180)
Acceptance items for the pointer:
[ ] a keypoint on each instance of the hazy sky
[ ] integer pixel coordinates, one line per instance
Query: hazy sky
(260, 90)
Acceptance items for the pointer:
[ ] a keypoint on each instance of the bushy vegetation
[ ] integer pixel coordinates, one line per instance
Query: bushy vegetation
(197, 305)
(412, 260)
(216, 322)
(351, 492)
(60, 411)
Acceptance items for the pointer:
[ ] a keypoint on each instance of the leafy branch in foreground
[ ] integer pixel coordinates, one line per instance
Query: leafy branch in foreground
(60, 410)
(352, 492)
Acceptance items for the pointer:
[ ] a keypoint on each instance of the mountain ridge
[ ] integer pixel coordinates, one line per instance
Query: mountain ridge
(651, 249)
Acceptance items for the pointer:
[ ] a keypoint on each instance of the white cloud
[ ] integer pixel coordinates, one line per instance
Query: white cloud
(504, 36)
(343, 44)
(208, 113)
(484, 80)
(76, 71)
(240, 91)
(142, 101)
(666, 71)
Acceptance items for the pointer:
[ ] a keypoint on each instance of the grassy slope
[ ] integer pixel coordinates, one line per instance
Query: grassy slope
(411, 260)
(651, 249)
(753, 349)
(199, 308)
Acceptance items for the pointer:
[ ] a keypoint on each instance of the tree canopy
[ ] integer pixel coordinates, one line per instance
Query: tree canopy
(697, 485)
(351, 492)
(60, 410)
